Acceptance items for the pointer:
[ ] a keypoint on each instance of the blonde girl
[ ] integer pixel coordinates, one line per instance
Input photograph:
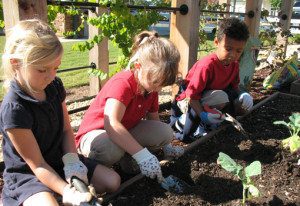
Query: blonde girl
(123, 119)
(38, 142)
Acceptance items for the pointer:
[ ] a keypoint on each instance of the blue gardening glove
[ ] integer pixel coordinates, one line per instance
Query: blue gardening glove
(212, 118)
(246, 100)
(149, 164)
(74, 167)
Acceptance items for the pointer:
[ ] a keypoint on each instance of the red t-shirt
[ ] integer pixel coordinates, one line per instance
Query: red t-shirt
(209, 74)
(123, 87)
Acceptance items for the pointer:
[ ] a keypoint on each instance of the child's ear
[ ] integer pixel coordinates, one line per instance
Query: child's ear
(216, 41)
(15, 63)
(137, 65)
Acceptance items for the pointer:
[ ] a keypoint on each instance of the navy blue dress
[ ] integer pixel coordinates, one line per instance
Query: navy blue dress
(45, 119)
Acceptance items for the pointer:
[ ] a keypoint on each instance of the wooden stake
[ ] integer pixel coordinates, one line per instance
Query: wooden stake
(17, 10)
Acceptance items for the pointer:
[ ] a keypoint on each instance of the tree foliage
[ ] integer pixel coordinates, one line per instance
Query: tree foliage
(1, 15)
(275, 3)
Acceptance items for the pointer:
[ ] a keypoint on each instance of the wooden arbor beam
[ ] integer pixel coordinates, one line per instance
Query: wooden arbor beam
(184, 34)
(17, 10)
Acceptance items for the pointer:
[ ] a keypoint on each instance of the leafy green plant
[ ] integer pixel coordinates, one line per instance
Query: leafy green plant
(276, 3)
(244, 174)
(292, 142)
(1, 16)
(296, 38)
(53, 10)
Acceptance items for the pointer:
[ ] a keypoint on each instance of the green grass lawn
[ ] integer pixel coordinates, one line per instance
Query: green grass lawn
(76, 59)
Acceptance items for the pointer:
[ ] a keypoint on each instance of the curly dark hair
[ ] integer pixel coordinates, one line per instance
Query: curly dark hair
(233, 28)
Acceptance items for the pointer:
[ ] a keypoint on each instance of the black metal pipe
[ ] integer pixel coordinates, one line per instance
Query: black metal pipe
(70, 3)
(250, 14)
(92, 66)
(183, 9)
(111, 63)
(72, 111)
(80, 100)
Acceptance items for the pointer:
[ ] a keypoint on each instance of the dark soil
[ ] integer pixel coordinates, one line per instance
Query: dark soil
(279, 182)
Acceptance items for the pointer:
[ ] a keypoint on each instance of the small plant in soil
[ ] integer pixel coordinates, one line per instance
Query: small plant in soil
(292, 142)
(244, 174)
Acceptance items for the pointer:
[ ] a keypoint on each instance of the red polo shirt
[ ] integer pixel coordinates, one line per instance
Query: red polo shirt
(209, 74)
(122, 87)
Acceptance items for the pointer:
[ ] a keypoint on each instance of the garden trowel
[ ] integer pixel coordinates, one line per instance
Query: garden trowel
(82, 187)
(174, 184)
(228, 118)
(235, 123)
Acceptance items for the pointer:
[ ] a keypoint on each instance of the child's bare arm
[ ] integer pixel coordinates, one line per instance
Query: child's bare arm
(26, 145)
(113, 114)
(68, 140)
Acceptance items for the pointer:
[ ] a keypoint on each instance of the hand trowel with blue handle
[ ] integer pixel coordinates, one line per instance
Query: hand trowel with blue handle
(174, 184)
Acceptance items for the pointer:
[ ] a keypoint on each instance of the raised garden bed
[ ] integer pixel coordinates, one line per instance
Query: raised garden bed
(279, 182)
(213, 185)
(295, 87)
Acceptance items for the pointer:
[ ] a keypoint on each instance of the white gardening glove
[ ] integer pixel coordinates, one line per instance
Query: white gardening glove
(246, 100)
(213, 117)
(73, 197)
(74, 167)
(173, 151)
(149, 164)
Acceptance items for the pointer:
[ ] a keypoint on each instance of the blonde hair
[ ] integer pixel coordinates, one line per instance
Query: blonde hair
(158, 56)
(31, 42)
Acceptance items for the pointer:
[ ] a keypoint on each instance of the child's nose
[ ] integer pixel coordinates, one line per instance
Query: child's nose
(234, 55)
(52, 73)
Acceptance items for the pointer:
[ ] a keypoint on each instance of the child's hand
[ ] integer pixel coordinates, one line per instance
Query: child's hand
(71, 196)
(149, 164)
(246, 100)
(212, 118)
(74, 167)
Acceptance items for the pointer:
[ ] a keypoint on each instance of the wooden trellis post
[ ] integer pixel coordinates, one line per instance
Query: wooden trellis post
(253, 23)
(285, 22)
(184, 34)
(250, 53)
(98, 54)
(17, 10)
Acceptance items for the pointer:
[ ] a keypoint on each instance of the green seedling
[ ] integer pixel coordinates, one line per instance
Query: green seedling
(292, 142)
(244, 174)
